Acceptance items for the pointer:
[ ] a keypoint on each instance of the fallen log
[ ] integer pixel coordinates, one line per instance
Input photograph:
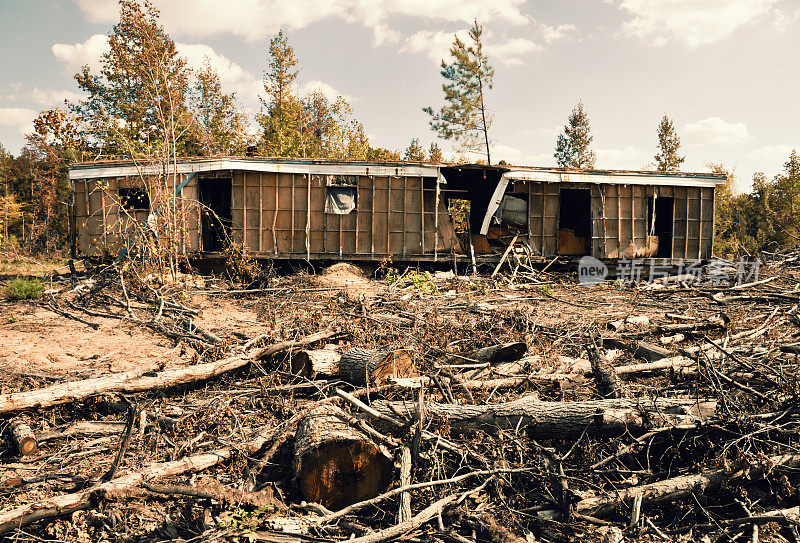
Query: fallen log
(560, 419)
(368, 367)
(126, 382)
(505, 352)
(676, 488)
(311, 363)
(138, 380)
(17, 517)
(335, 464)
(639, 349)
(606, 379)
(282, 346)
(24, 438)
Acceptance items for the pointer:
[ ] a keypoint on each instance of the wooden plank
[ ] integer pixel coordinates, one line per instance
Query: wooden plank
(436, 222)
(544, 212)
(355, 246)
(619, 223)
(700, 228)
(275, 218)
(422, 214)
(308, 219)
(291, 231)
(372, 219)
(103, 206)
(388, 215)
(244, 208)
(686, 236)
(260, 212)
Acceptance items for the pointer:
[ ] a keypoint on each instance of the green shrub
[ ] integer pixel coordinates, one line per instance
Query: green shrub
(23, 289)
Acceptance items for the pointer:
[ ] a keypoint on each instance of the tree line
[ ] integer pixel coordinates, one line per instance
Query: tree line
(145, 103)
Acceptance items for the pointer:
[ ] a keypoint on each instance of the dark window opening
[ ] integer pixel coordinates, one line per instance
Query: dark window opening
(134, 198)
(214, 196)
(661, 227)
(574, 222)
(340, 199)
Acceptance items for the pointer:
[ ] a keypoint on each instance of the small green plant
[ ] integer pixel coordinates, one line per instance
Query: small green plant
(546, 290)
(23, 289)
(421, 281)
(12, 319)
(245, 522)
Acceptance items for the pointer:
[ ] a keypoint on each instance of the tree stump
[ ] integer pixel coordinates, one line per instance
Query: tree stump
(363, 367)
(336, 465)
(310, 363)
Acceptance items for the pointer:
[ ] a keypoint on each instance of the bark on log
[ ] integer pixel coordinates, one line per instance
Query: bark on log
(640, 349)
(127, 382)
(24, 438)
(311, 363)
(336, 465)
(561, 419)
(282, 346)
(606, 379)
(505, 352)
(675, 488)
(371, 367)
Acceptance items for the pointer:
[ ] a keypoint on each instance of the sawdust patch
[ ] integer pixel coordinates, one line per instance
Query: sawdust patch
(350, 280)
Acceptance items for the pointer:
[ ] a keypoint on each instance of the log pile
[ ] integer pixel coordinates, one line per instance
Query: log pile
(506, 408)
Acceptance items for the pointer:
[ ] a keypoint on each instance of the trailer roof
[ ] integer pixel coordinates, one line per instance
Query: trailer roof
(131, 168)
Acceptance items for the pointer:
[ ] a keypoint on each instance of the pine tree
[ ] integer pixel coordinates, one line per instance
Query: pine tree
(667, 159)
(464, 118)
(220, 124)
(414, 152)
(282, 123)
(319, 122)
(435, 154)
(136, 105)
(572, 147)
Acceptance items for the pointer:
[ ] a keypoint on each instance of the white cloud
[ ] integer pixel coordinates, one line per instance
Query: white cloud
(774, 153)
(714, 131)
(327, 91)
(693, 22)
(257, 19)
(233, 77)
(552, 34)
(20, 117)
(77, 55)
(627, 158)
(549, 132)
(518, 157)
(53, 97)
(436, 45)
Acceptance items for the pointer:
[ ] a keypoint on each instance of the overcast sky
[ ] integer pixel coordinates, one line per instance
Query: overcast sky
(725, 70)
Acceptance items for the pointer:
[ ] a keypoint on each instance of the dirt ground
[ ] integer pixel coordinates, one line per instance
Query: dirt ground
(434, 314)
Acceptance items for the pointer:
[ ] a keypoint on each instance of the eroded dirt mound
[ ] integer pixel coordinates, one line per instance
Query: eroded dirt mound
(348, 278)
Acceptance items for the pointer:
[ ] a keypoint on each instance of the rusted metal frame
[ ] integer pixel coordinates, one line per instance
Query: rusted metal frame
(260, 213)
(244, 208)
(436, 218)
(604, 247)
(355, 246)
(388, 215)
(544, 212)
(405, 197)
(686, 218)
(308, 218)
(700, 227)
(275, 218)
(291, 228)
(340, 217)
(103, 207)
(619, 222)
(422, 215)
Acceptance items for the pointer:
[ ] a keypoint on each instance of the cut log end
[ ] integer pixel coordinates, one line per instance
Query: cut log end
(24, 438)
(311, 363)
(335, 464)
(364, 367)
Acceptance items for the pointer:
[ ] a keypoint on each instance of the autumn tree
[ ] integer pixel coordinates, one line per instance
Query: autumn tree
(220, 124)
(464, 117)
(137, 103)
(435, 154)
(346, 138)
(319, 123)
(283, 119)
(572, 145)
(667, 159)
(414, 152)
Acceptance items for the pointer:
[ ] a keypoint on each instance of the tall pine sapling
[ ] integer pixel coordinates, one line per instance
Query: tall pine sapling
(667, 159)
(572, 146)
(282, 121)
(414, 152)
(464, 117)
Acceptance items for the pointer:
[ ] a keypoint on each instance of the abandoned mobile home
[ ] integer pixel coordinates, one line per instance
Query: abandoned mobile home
(325, 210)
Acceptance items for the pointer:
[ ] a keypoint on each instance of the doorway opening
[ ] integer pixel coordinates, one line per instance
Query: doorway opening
(662, 226)
(574, 222)
(214, 195)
